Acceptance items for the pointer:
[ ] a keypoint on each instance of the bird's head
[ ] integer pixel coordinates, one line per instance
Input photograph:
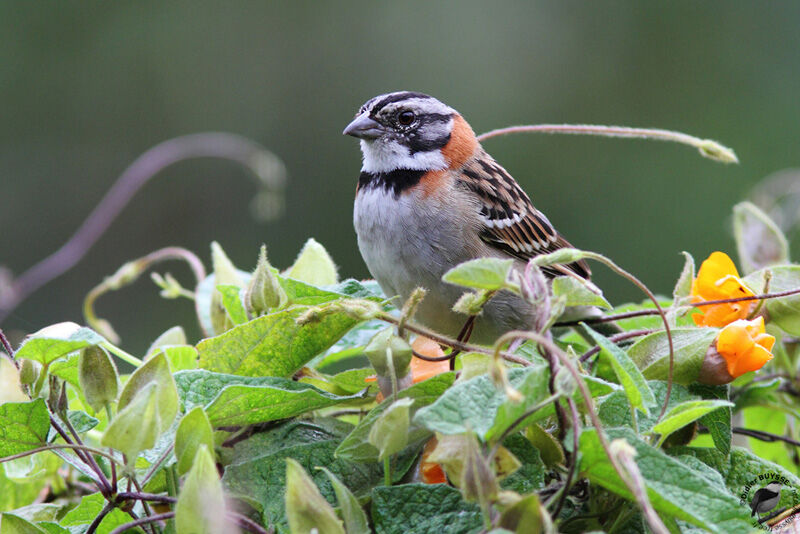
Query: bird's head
(408, 130)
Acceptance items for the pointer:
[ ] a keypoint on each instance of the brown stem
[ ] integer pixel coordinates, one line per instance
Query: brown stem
(444, 340)
(99, 519)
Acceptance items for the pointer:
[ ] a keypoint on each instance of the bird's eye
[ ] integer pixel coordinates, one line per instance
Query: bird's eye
(405, 117)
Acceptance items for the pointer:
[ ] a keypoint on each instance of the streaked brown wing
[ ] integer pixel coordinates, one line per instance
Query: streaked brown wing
(511, 222)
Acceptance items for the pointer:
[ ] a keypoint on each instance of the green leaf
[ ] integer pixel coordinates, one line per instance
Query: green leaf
(577, 293)
(154, 371)
(672, 487)
(389, 433)
(475, 404)
(39, 512)
(483, 273)
(355, 520)
(636, 388)
(531, 474)
(171, 337)
(201, 504)
(685, 413)
(430, 509)
(759, 241)
(615, 409)
(56, 341)
(783, 311)
(561, 256)
(67, 370)
(314, 265)
(136, 426)
(88, 509)
(356, 446)
(306, 508)
(82, 421)
(232, 302)
(98, 377)
(194, 431)
(651, 353)
(274, 344)
(718, 422)
(180, 357)
(239, 405)
(23, 426)
(13, 524)
(262, 478)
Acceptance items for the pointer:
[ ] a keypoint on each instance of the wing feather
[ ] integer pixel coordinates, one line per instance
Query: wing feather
(511, 222)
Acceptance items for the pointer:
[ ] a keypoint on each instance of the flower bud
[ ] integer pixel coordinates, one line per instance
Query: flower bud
(224, 274)
(264, 291)
(390, 355)
(97, 376)
(28, 373)
(740, 347)
(478, 481)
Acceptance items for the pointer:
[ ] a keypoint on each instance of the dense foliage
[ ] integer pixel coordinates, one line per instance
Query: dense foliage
(306, 407)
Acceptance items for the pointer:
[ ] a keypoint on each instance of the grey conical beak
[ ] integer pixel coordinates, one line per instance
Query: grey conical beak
(364, 128)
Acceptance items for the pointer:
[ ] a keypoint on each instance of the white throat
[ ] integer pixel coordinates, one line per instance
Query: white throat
(380, 156)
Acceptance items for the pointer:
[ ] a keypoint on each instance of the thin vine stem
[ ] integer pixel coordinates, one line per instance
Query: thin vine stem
(708, 148)
(615, 338)
(53, 446)
(700, 304)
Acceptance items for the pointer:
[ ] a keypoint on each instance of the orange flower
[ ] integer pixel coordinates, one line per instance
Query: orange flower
(745, 346)
(718, 279)
(431, 472)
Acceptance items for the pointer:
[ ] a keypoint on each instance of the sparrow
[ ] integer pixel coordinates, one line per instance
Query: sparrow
(429, 197)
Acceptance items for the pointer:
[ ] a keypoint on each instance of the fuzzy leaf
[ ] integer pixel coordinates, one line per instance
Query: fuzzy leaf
(431, 509)
(194, 431)
(306, 508)
(272, 345)
(389, 433)
(483, 273)
(23, 426)
(136, 426)
(685, 413)
(355, 520)
(636, 388)
(88, 509)
(154, 371)
(577, 293)
(673, 488)
(239, 405)
(56, 341)
(651, 353)
(477, 405)
(201, 504)
(356, 446)
(232, 302)
(314, 265)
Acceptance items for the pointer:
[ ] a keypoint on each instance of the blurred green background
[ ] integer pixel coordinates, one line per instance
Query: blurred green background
(88, 86)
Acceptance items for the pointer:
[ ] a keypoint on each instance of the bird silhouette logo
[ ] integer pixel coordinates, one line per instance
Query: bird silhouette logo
(765, 499)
